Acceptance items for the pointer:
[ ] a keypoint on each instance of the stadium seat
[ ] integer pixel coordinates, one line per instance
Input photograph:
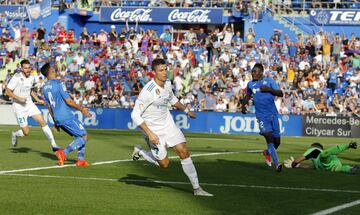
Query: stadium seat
(134, 3)
(296, 4)
(144, 3)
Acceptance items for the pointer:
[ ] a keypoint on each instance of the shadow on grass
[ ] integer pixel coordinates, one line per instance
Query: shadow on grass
(47, 155)
(258, 186)
(149, 182)
(21, 150)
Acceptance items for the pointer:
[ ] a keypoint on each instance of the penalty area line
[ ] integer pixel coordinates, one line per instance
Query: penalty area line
(204, 184)
(118, 161)
(338, 208)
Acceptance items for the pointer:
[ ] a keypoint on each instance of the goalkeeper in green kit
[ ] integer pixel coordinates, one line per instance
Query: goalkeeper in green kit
(324, 159)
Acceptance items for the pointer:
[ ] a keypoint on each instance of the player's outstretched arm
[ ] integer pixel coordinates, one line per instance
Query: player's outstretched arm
(72, 104)
(37, 99)
(278, 93)
(182, 107)
(10, 93)
(295, 163)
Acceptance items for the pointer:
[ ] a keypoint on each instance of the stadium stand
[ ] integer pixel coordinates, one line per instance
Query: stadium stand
(318, 71)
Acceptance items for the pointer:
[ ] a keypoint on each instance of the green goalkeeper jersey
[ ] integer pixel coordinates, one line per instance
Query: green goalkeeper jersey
(322, 160)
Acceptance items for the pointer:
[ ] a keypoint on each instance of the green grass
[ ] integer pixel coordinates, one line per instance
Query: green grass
(68, 194)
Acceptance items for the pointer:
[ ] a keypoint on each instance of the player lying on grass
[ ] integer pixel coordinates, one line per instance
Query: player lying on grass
(60, 107)
(152, 115)
(20, 90)
(324, 159)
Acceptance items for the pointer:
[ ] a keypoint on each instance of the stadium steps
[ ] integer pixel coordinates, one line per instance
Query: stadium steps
(293, 24)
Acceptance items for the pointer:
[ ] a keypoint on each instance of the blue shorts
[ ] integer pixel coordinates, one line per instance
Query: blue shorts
(270, 124)
(73, 127)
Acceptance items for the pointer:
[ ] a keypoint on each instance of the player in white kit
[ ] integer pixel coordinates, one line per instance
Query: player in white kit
(20, 90)
(152, 115)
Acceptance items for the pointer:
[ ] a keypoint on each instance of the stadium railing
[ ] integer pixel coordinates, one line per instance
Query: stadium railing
(19, 2)
(303, 7)
(296, 22)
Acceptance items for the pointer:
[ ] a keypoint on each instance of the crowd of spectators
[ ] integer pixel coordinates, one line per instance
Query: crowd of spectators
(19, 2)
(209, 69)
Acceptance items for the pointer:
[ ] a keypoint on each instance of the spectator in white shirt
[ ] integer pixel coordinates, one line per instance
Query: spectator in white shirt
(220, 106)
(190, 35)
(228, 33)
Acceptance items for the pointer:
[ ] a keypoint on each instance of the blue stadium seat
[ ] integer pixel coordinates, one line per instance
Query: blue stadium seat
(308, 5)
(134, 3)
(296, 4)
(356, 5)
(144, 3)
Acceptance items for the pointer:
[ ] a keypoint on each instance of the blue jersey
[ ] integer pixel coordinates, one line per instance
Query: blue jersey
(264, 102)
(55, 95)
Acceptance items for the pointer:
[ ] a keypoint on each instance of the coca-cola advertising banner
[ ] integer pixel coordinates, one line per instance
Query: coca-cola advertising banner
(162, 15)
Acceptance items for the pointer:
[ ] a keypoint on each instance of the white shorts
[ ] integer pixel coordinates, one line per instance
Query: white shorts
(173, 137)
(23, 113)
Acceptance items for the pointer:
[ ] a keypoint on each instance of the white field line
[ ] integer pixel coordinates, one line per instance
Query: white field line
(337, 208)
(187, 183)
(115, 161)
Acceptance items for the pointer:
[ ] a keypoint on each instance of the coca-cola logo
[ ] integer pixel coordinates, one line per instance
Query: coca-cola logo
(141, 15)
(194, 16)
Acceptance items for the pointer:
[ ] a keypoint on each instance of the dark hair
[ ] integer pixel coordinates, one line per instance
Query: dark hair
(45, 69)
(24, 62)
(258, 67)
(156, 62)
(317, 145)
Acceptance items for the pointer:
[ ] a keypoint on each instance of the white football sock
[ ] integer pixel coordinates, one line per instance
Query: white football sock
(19, 133)
(190, 171)
(149, 157)
(49, 135)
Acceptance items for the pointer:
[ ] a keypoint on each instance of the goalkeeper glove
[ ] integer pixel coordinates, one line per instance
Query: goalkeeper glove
(289, 163)
(353, 145)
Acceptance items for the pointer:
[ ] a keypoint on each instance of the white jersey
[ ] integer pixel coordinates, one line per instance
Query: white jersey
(151, 107)
(21, 86)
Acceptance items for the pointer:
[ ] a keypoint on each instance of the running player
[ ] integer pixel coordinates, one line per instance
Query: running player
(152, 115)
(264, 91)
(324, 159)
(60, 107)
(20, 89)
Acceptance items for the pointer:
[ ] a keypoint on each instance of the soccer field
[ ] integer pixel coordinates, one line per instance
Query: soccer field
(229, 166)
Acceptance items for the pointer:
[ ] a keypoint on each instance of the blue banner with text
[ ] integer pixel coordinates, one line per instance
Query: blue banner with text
(212, 122)
(14, 12)
(335, 17)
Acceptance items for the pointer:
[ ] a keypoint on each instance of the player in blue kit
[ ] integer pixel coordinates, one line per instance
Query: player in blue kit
(60, 106)
(263, 90)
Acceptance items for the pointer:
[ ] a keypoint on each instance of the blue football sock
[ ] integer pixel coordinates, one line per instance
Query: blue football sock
(273, 154)
(76, 144)
(81, 153)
